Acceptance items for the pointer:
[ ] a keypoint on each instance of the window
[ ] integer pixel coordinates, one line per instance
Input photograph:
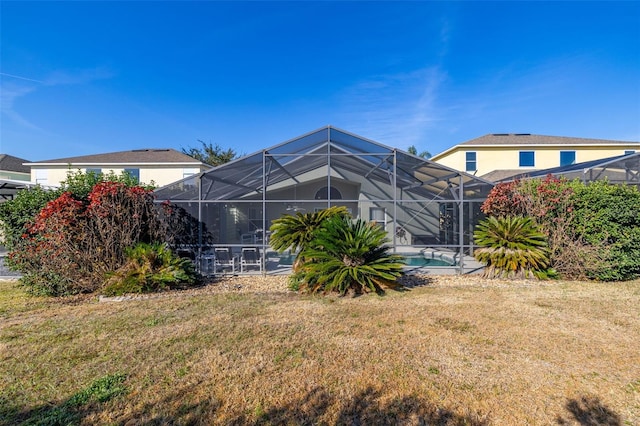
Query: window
(94, 171)
(567, 158)
(324, 192)
(134, 173)
(189, 172)
(42, 177)
(377, 216)
(629, 152)
(471, 163)
(527, 159)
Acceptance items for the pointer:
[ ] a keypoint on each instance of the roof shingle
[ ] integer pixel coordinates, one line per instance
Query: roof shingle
(135, 156)
(529, 139)
(13, 164)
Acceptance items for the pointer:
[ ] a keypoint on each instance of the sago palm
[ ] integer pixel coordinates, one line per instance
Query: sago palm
(349, 255)
(512, 247)
(295, 232)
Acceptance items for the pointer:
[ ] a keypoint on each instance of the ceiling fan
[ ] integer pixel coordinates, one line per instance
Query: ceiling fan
(295, 208)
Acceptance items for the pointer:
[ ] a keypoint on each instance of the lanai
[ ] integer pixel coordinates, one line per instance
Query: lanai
(425, 207)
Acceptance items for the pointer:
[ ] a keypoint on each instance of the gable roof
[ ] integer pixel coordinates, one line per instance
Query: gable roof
(135, 156)
(13, 164)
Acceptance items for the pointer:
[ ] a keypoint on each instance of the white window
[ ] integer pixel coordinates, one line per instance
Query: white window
(42, 177)
(189, 172)
(378, 216)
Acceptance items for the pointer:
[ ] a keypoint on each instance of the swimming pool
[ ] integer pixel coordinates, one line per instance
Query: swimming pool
(418, 260)
(411, 259)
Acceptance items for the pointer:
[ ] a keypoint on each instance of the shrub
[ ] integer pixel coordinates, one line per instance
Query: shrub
(512, 247)
(18, 213)
(72, 243)
(296, 232)
(593, 230)
(347, 255)
(609, 216)
(505, 199)
(150, 268)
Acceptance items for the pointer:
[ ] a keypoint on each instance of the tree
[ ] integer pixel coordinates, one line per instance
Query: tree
(213, 155)
(414, 151)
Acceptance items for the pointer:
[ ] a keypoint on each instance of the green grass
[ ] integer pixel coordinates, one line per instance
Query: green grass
(464, 354)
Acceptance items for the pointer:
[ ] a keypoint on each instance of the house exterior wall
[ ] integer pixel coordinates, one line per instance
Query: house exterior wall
(157, 174)
(8, 174)
(490, 158)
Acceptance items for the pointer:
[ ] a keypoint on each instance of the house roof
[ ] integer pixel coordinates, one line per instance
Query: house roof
(498, 175)
(135, 156)
(13, 164)
(527, 139)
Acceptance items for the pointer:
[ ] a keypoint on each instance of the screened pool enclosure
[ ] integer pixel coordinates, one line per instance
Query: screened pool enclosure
(622, 169)
(427, 210)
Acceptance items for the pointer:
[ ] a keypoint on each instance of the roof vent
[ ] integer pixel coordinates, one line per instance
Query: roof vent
(523, 134)
(500, 134)
(139, 150)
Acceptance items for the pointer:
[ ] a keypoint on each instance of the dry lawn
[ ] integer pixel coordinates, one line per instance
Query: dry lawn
(453, 351)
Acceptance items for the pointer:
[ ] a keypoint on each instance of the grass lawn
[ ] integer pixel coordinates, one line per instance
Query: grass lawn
(461, 353)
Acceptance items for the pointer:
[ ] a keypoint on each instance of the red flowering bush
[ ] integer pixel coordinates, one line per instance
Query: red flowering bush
(505, 199)
(558, 207)
(72, 243)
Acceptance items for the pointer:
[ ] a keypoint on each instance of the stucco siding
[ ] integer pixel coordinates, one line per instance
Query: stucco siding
(490, 158)
(158, 175)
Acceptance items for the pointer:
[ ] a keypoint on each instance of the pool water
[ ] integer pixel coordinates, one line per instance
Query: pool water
(416, 260)
(420, 261)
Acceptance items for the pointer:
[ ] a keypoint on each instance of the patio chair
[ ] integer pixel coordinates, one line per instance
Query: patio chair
(224, 259)
(250, 257)
(207, 263)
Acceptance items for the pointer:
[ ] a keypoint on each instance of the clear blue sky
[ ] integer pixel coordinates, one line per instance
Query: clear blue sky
(89, 77)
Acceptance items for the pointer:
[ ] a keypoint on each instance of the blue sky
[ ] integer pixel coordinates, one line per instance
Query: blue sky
(80, 78)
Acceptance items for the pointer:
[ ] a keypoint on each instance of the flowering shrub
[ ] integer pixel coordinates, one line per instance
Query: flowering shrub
(505, 199)
(72, 243)
(593, 230)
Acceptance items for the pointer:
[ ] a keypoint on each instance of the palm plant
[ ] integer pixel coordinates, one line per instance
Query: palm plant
(296, 232)
(149, 268)
(512, 247)
(349, 255)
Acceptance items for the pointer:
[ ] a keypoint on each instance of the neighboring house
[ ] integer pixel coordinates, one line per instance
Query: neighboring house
(13, 168)
(150, 166)
(14, 176)
(498, 156)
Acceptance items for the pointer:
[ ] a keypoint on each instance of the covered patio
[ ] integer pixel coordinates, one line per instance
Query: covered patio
(429, 211)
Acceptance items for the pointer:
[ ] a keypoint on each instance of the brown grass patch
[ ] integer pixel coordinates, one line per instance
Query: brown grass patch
(452, 351)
